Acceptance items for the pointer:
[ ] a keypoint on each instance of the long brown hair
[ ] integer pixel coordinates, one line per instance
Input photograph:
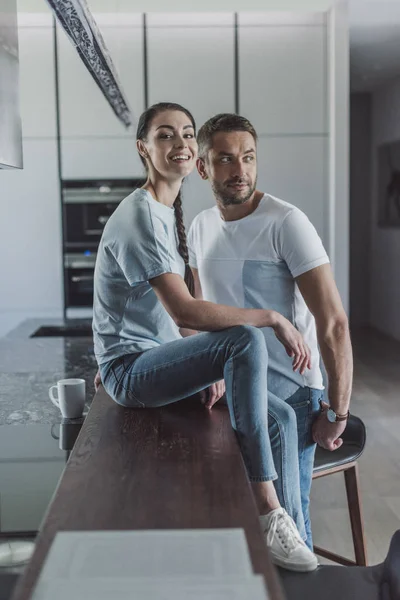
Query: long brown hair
(141, 134)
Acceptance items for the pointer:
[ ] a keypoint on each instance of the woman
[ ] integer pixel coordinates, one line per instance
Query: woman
(143, 304)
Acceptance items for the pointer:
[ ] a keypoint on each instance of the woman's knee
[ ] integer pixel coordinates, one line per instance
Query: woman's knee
(284, 415)
(250, 337)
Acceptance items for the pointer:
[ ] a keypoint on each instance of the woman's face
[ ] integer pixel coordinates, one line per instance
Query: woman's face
(170, 148)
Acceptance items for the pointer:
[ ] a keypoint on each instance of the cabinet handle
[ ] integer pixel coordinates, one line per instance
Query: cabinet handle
(79, 278)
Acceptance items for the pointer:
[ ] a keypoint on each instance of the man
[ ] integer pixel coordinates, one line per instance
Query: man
(255, 251)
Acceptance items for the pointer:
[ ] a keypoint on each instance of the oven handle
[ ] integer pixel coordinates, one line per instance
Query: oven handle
(79, 278)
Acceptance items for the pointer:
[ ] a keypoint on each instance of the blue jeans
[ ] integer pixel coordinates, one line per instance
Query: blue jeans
(178, 369)
(303, 406)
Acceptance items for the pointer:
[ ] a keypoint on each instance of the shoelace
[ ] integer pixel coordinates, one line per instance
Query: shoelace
(284, 526)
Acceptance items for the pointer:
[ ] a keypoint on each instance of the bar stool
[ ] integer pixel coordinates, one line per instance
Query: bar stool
(380, 582)
(345, 460)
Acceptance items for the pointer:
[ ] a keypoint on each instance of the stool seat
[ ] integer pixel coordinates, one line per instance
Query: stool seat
(332, 583)
(380, 582)
(353, 446)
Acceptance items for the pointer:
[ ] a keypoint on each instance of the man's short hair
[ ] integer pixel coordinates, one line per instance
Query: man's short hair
(226, 122)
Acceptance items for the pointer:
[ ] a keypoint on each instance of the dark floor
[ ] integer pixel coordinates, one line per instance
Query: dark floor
(376, 399)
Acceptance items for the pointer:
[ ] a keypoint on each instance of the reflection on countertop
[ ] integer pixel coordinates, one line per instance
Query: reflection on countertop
(30, 365)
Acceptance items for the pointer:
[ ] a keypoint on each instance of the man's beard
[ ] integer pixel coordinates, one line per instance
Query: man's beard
(232, 198)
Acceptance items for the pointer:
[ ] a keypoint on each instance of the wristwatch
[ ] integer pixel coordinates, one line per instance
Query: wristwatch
(334, 417)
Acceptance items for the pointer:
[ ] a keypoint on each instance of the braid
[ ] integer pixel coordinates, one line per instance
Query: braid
(182, 247)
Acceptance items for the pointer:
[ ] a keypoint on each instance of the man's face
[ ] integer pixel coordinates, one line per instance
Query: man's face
(231, 167)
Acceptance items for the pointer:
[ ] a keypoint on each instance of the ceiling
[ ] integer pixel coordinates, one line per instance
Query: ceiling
(374, 43)
(125, 6)
(374, 28)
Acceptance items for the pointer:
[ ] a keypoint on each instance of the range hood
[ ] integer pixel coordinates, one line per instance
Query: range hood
(81, 28)
(10, 120)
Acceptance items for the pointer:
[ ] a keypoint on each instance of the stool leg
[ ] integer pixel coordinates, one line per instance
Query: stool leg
(357, 525)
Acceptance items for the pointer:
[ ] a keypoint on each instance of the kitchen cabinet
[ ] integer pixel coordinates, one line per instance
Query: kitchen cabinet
(283, 74)
(191, 61)
(196, 196)
(30, 230)
(37, 80)
(94, 143)
(102, 158)
(294, 169)
(30, 467)
(26, 489)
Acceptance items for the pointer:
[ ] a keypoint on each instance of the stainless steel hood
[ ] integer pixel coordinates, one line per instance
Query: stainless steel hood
(10, 120)
(80, 26)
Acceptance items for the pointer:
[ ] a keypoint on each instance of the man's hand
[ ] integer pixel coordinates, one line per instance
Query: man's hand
(327, 434)
(97, 381)
(212, 394)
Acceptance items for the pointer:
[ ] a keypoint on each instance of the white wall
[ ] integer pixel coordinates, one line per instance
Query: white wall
(360, 208)
(30, 224)
(385, 242)
(338, 157)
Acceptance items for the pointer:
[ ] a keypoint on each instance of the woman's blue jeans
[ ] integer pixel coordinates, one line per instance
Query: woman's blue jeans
(266, 427)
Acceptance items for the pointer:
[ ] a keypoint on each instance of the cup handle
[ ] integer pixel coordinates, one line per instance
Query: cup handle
(54, 400)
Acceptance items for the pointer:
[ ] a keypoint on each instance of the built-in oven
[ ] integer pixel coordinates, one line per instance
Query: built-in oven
(79, 273)
(87, 206)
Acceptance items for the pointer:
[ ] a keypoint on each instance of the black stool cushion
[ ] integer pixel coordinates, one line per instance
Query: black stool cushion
(333, 583)
(381, 582)
(351, 449)
(391, 572)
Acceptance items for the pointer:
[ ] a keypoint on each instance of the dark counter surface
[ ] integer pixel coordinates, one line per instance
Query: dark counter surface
(30, 365)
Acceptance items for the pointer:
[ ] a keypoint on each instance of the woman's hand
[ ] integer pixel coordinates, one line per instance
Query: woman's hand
(294, 344)
(97, 381)
(212, 394)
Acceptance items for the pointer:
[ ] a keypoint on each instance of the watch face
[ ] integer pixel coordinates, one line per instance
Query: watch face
(331, 416)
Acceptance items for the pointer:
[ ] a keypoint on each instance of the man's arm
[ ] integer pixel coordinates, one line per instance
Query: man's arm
(323, 300)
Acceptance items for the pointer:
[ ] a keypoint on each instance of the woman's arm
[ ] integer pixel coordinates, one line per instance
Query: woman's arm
(198, 294)
(190, 313)
(200, 315)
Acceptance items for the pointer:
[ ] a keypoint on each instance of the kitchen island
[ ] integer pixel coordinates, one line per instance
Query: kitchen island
(30, 365)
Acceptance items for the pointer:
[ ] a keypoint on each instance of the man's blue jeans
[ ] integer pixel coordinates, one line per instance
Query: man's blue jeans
(178, 369)
(305, 405)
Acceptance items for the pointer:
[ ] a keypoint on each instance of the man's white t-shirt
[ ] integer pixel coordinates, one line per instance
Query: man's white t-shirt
(253, 263)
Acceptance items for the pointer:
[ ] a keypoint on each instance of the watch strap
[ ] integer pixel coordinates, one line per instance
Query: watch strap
(343, 417)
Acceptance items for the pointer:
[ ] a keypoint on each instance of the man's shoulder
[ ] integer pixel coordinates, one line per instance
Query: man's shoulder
(279, 208)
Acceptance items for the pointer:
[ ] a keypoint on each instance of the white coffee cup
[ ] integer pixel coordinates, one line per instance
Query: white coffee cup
(71, 396)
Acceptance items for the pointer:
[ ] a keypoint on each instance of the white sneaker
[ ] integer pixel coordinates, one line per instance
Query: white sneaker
(284, 542)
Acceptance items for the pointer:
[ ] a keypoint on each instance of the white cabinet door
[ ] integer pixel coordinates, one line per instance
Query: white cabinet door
(94, 143)
(294, 170)
(101, 158)
(282, 75)
(31, 228)
(37, 81)
(84, 111)
(192, 63)
(26, 490)
(196, 196)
